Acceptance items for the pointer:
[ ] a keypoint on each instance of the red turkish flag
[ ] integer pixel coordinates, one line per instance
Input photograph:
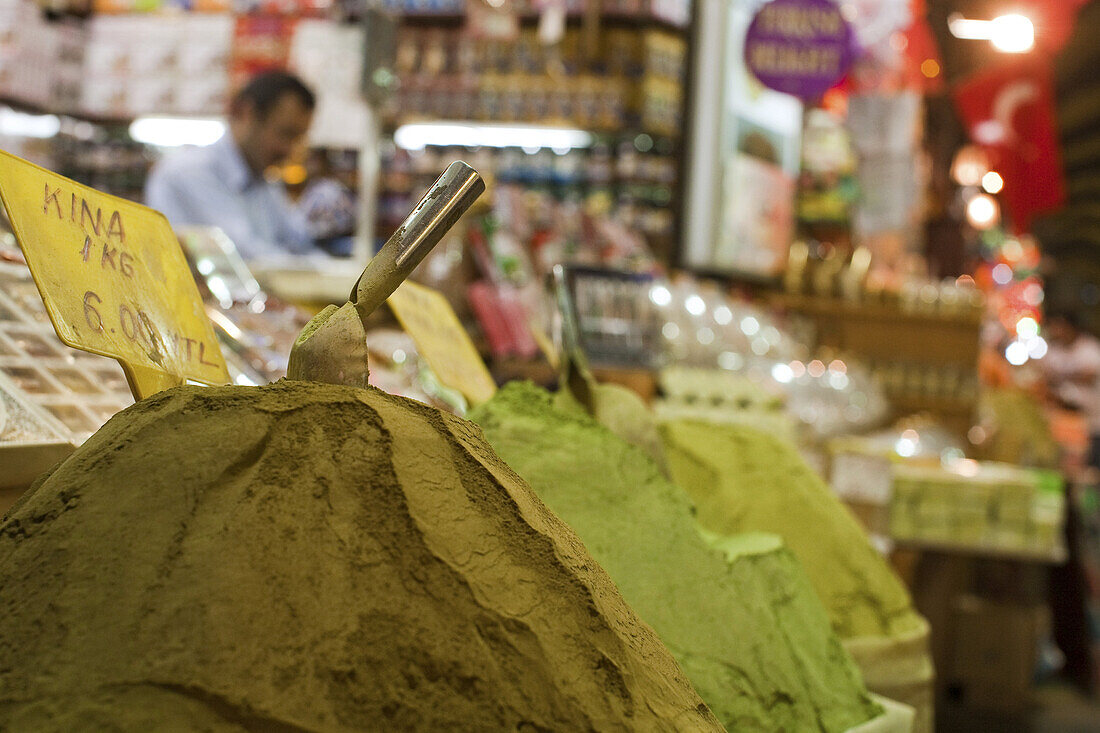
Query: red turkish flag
(1009, 110)
(921, 48)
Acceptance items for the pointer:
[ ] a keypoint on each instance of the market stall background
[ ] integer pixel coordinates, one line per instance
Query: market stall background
(896, 260)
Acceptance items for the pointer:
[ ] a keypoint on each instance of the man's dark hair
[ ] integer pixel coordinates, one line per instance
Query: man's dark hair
(264, 91)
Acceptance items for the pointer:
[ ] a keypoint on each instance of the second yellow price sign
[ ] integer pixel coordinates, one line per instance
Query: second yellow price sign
(430, 320)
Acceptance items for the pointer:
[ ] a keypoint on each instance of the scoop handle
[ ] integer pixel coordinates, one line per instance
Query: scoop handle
(448, 199)
(576, 376)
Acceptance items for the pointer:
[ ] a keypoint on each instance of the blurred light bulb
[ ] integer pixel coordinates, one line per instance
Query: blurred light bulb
(695, 305)
(966, 467)
(992, 182)
(1027, 328)
(1012, 33)
(969, 166)
(982, 211)
(1037, 347)
(905, 447)
(1002, 274)
(660, 295)
(1016, 353)
(730, 360)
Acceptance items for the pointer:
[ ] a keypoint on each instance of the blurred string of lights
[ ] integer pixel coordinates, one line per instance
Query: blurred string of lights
(1008, 267)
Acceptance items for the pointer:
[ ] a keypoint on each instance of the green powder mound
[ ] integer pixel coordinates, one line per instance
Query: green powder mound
(624, 413)
(307, 557)
(744, 480)
(750, 634)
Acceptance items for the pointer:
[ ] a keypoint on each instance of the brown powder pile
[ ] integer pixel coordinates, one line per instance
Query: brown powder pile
(311, 557)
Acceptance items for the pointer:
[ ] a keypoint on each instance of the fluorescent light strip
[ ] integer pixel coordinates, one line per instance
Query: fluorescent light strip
(418, 135)
(968, 29)
(21, 124)
(1012, 33)
(170, 132)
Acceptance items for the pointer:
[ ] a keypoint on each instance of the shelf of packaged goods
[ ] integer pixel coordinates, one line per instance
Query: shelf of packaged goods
(869, 310)
(1049, 556)
(955, 414)
(610, 20)
(561, 186)
(608, 135)
(884, 333)
(917, 403)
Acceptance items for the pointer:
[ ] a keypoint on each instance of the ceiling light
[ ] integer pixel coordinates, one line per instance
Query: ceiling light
(968, 29)
(170, 132)
(21, 124)
(418, 135)
(1011, 33)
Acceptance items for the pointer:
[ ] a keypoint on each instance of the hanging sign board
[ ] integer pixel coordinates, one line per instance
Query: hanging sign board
(799, 47)
(431, 322)
(113, 278)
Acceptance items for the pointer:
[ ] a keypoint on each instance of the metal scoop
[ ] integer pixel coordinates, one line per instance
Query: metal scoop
(615, 407)
(333, 345)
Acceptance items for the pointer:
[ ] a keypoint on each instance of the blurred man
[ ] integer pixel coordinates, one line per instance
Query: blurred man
(223, 184)
(1072, 368)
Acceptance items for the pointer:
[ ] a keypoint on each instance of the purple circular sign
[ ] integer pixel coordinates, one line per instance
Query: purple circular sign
(801, 47)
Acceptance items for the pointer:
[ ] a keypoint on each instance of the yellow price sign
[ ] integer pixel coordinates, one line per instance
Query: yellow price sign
(113, 278)
(431, 322)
